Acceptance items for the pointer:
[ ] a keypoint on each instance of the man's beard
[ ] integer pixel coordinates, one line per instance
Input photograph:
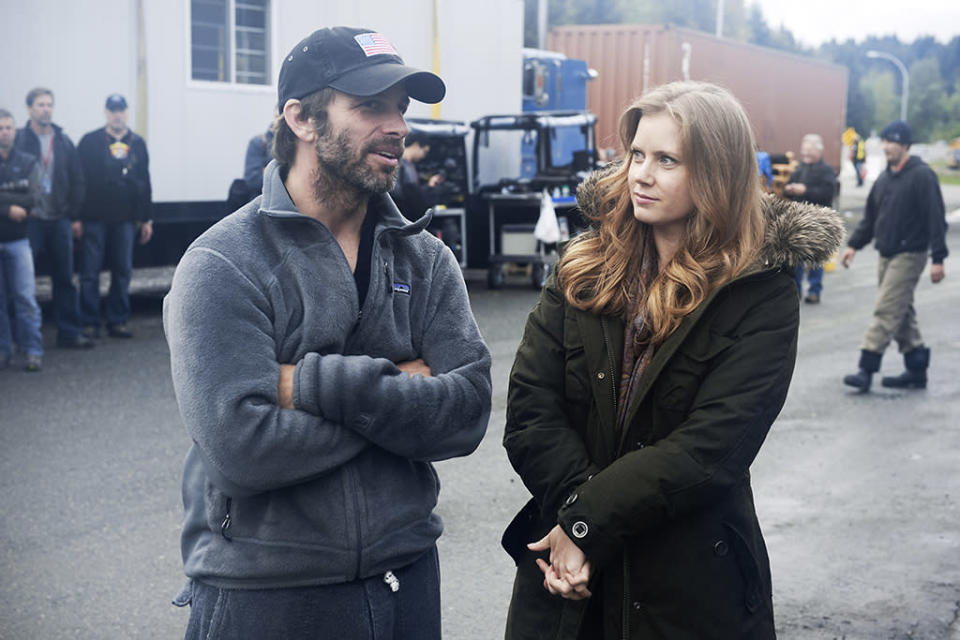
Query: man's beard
(343, 171)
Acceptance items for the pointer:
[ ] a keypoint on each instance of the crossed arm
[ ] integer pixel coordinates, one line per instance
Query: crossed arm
(232, 392)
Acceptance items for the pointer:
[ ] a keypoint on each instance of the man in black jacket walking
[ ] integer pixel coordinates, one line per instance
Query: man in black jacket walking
(814, 182)
(905, 217)
(54, 224)
(116, 167)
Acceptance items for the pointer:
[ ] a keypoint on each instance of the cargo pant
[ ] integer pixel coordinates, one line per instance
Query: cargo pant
(894, 317)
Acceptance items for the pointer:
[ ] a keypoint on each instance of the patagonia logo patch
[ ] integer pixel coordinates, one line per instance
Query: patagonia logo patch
(399, 287)
(374, 44)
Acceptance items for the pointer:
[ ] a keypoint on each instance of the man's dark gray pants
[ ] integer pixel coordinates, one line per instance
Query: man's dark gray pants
(366, 609)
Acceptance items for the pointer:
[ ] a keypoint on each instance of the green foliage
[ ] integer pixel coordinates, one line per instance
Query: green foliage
(881, 99)
(928, 102)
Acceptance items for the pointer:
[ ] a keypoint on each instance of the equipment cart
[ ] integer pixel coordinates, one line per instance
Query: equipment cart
(516, 158)
(447, 156)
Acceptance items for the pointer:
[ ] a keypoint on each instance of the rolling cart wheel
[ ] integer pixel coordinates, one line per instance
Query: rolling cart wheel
(495, 276)
(538, 274)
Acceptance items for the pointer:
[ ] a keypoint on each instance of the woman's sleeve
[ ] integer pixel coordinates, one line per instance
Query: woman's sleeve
(548, 454)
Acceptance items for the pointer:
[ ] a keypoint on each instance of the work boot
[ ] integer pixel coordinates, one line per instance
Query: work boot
(119, 331)
(869, 365)
(33, 363)
(78, 341)
(915, 377)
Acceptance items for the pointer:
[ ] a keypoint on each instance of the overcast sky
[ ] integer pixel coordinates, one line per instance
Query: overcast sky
(815, 21)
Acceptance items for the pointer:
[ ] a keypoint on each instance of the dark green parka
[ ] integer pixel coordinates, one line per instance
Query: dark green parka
(663, 511)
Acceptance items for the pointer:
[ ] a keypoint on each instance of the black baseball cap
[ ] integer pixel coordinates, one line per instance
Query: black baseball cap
(116, 102)
(360, 62)
(898, 131)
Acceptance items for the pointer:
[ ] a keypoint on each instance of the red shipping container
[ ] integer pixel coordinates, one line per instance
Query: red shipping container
(785, 95)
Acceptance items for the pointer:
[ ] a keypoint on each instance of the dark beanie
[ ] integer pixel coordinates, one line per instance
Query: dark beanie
(898, 131)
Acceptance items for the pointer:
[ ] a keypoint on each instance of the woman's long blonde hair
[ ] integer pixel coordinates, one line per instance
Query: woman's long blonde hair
(600, 270)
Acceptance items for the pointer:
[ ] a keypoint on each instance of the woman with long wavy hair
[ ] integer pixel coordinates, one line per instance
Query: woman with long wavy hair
(650, 371)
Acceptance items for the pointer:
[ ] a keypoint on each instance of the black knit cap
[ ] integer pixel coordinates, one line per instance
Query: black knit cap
(898, 131)
(360, 62)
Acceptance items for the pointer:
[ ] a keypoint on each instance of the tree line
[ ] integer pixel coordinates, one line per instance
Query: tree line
(874, 87)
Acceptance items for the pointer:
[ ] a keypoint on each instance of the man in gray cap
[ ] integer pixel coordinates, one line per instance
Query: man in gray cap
(323, 354)
(905, 217)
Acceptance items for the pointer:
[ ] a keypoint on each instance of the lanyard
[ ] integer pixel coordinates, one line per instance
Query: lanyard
(49, 156)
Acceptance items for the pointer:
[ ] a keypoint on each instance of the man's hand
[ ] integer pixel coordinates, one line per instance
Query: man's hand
(415, 367)
(77, 228)
(435, 180)
(285, 386)
(795, 189)
(146, 232)
(17, 213)
(847, 257)
(568, 573)
(937, 273)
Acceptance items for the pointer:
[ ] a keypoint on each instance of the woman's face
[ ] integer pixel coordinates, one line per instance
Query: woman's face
(658, 179)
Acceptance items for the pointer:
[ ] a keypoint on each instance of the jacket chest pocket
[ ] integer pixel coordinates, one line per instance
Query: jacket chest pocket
(680, 381)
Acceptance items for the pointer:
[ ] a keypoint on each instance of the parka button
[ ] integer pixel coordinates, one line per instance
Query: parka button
(579, 529)
(637, 606)
(571, 499)
(601, 375)
(720, 548)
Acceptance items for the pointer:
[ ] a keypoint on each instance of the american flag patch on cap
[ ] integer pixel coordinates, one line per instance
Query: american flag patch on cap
(374, 43)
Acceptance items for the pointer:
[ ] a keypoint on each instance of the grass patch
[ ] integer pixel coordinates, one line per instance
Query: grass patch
(946, 175)
(949, 178)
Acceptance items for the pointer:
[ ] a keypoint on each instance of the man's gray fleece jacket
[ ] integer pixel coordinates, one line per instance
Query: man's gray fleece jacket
(342, 487)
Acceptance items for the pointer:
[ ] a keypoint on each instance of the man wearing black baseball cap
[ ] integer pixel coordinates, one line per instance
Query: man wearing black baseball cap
(323, 354)
(906, 218)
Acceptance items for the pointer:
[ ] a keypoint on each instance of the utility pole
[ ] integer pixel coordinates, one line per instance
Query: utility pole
(542, 24)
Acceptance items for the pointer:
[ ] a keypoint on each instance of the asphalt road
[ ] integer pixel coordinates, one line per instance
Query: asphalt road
(859, 496)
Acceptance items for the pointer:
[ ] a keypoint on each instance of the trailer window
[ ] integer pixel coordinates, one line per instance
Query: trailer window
(230, 41)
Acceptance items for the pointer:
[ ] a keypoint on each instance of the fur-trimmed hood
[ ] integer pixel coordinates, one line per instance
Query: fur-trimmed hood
(796, 232)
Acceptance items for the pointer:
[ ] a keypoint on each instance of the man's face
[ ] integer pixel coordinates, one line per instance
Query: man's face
(41, 111)
(810, 153)
(8, 131)
(894, 151)
(362, 140)
(116, 120)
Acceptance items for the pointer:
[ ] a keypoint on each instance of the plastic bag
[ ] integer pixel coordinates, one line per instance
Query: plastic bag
(547, 230)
